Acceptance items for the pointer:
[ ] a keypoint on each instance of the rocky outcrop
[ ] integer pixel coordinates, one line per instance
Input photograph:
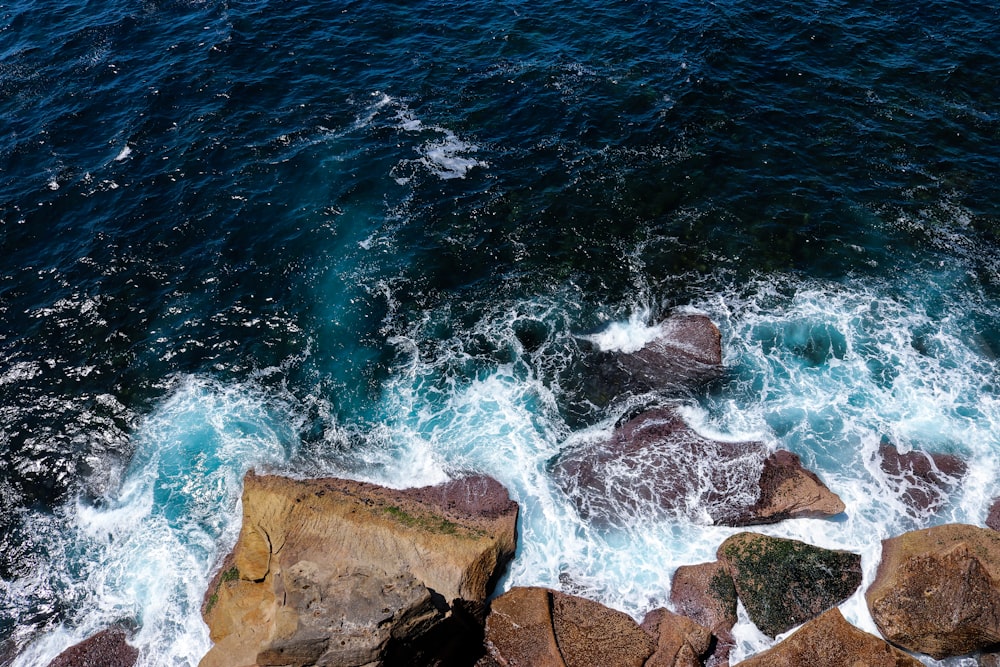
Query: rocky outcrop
(937, 591)
(685, 355)
(656, 466)
(923, 480)
(332, 571)
(993, 515)
(830, 641)
(783, 583)
(545, 628)
(680, 642)
(706, 594)
(108, 648)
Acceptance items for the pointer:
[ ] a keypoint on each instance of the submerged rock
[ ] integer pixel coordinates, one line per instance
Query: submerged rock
(108, 648)
(937, 590)
(656, 466)
(783, 582)
(545, 628)
(706, 594)
(337, 572)
(830, 641)
(923, 480)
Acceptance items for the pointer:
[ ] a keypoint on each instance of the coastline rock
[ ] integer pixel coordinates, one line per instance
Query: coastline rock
(830, 641)
(937, 590)
(332, 571)
(993, 515)
(108, 648)
(656, 466)
(545, 628)
(989, 660)
(684, 356)
(783, 582)
(706, 594)
(680, 642)
(922, 480)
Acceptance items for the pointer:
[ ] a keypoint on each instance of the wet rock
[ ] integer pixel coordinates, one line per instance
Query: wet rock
(783, 582)
(655, 466)
(685, 355)
(108, 648)
(333, 571)
(680, 642)
(923, 480)
(993, 515)
(830, 641)
(937, 591)
(545, 628)
(706, 594)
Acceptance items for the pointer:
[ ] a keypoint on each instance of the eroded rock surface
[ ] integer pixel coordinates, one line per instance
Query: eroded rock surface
(830, 641)
(332, 571)
(783, 582)
(655, 466)
(545, 628)
(937, 591)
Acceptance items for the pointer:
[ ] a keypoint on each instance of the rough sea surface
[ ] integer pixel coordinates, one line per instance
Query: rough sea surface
(372, 239)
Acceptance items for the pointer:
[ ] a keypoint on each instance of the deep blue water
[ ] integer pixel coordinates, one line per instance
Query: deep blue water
(372, 238)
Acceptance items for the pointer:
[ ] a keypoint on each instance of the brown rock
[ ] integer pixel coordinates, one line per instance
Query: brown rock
(590, 634)
(989, 660)
(686, 355)
(519, 629)
(655, 465)
(333, 571)
(993, 515)
(544, 628)
(783, 583)
(108, 648)
(680, 642)
(687, 352)
(706, 594)
(937, 591)
(830, 641)
(922, 480)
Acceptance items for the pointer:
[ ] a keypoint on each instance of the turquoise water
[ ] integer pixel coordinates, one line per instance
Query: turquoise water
(376, 240)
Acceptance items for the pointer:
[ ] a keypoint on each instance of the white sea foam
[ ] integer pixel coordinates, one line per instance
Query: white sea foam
(630, 336)
(146, 554)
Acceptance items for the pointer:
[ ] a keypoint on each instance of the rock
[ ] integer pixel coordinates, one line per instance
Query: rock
(545, 628)
(922, 480)
(685, 355)
(655, 466)
(680, 642)
(937, 590)
(706, 594)
(830, 641)
(783, 582)
(989, 660)
(332, 571)
(108, 648)
(993, 515)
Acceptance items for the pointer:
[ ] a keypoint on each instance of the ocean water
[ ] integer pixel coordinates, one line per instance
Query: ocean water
(375, 239)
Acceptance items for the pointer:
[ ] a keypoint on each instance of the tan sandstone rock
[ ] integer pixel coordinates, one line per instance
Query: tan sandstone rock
(830, 641)
(937, 591)
(332, 571)
(706, 594)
